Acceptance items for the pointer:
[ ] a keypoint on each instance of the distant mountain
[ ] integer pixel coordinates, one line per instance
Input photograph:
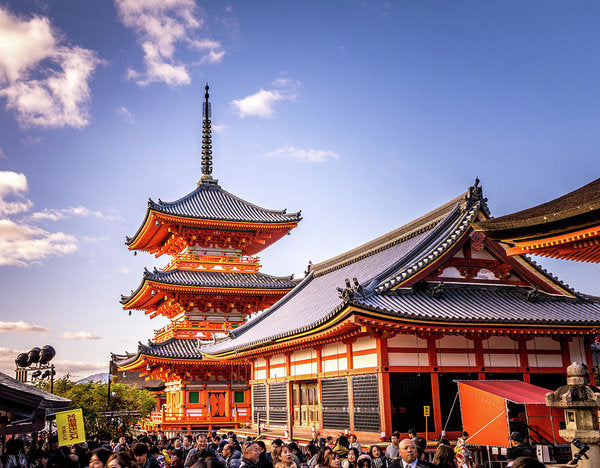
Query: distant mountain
(102, 377)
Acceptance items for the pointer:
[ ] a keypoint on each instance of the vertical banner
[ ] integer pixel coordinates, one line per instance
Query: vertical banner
(69, 426)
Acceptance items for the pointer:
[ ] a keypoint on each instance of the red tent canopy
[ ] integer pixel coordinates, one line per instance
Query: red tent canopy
(485, 411)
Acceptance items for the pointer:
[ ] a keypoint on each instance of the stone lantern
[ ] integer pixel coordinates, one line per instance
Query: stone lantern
(580, 405)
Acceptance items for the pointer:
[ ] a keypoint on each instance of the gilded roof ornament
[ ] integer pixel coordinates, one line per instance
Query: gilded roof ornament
(206, 143)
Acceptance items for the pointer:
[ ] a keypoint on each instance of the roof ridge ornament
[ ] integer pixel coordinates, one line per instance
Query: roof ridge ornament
(206, 143)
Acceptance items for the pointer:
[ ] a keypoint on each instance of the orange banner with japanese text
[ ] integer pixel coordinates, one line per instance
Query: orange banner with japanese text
(69, 426)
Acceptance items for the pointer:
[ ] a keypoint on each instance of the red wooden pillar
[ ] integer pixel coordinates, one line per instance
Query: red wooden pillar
(524, 359)
(435, 386)
(565, 353)
(479, 360)
(383, 383)
(319, 351)
(268, 366)
(589, 360)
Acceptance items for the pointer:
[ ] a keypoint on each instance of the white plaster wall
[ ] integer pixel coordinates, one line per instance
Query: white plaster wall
(545, 360)
(366, 342)
(500, 360)
(407, 341)
(277, 359)
(335, 365)
(446, 359)
(576, 350)
(367, 360)
(302, 354)
(260, 362)
(303, 369)
(277, 372)
(408, 359)
(500, 342)
(452, 341)
(334, 348)
(260, 374)
(542, 342)
(482, 254)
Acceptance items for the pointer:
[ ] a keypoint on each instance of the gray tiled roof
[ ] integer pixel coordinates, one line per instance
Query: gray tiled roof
(471, 303)
(215, 280)
(390, 261)
(31, 395)
(175, 348)
(210, 201)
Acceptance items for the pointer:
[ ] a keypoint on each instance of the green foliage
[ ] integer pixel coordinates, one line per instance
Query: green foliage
(93, 399)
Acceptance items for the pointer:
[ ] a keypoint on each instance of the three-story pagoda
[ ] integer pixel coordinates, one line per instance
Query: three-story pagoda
(211, 285)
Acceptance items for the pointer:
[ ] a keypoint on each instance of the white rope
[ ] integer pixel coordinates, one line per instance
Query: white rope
(500, 414)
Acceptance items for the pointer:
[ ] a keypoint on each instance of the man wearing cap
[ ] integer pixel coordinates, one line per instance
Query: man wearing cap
(519, 447)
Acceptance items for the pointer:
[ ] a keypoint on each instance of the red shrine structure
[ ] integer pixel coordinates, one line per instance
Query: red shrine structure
(211, 285)
(567, 227)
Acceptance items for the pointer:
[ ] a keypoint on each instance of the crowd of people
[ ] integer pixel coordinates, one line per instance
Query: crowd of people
(211, 450)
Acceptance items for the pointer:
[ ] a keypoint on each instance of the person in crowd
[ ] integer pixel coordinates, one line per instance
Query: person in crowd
(329, 441)
(99, 457)
(341, 448)
(334, 460)
(263, 461)
(232, 457)
(286, 458)
(176, 458)
(412, 434)
(364, 461)
(408, 456)
(378, 458)
(158, 456)
(121, 460)
(273, 455)
(143, 457)
(312, 451)
(421, 447)
(391, 452)
(519, 447)
(188, 445)
(122, 443)
(323, 457)
(297, 454)
(461, 450)
(354, 443)
(351, 460)
(444, 457)
(250, 455)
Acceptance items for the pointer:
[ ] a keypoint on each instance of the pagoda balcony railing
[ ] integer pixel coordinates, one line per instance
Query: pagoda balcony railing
(238, 264)
(243, 414)
(201, 329)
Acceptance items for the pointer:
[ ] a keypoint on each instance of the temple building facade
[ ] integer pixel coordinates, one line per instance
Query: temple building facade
(369, 341)
(209, 287)
(373, 339)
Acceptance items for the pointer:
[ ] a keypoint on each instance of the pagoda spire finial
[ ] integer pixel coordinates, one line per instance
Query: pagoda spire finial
(206, 142)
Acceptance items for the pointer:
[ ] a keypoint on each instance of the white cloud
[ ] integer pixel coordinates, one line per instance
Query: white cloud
(219, 128)
(79, 368)
(24, 245)
(125, 113)
(2, 154)
(21, 327)
(160, 26)
(57, 214)
(261, 103)
(44, 82)
(82, 335)
(125, 270)
(13, 184)
(304, 155)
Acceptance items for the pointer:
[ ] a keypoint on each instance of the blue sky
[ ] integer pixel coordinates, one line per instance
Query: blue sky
(364, 115)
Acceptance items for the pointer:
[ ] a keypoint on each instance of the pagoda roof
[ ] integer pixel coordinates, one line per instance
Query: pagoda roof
(575, 210)
(211, 202)
(211, 279)
(398, 261)
(174, 348)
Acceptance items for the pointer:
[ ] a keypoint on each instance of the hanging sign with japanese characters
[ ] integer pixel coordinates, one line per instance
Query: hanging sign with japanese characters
(69, 426)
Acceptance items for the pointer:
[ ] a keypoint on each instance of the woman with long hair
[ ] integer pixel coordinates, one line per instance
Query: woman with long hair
(444, 457)
(351, 460)
(121, 460)
(323, 457)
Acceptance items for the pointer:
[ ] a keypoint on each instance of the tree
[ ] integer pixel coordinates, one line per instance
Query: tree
(99, 417)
